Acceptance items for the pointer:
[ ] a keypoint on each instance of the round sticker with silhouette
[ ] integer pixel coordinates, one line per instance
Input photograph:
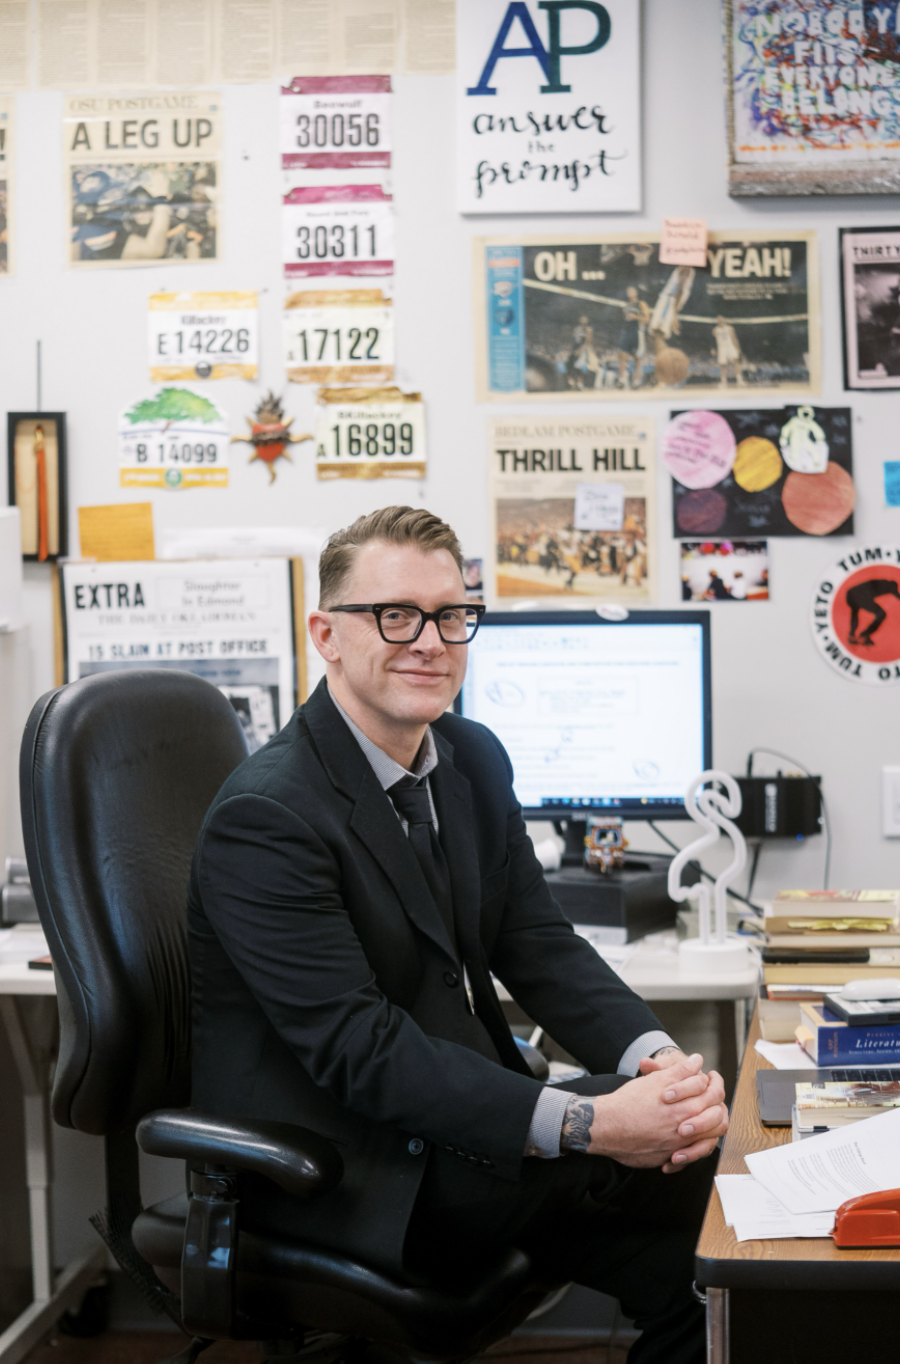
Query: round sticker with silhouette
(856, 614)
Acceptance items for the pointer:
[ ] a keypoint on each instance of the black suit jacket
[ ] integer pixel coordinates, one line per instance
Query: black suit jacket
(327, 990)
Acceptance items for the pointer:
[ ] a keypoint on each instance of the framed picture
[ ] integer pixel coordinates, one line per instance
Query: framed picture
(36, 454)
(870, 305)
(810, 101)
(235, 622)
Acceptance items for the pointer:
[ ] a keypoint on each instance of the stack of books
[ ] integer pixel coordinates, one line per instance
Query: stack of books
(820, 939)
(820, 1106)
(831, 1040)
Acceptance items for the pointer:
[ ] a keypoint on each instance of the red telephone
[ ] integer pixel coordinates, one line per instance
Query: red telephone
(870, 1220)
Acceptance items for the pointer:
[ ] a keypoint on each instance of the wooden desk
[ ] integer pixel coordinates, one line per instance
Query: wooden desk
(793, 1300)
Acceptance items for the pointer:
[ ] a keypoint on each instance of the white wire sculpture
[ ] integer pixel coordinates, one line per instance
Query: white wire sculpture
(713, 809)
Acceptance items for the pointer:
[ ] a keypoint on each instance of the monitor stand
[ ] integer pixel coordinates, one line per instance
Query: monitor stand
(620, 905)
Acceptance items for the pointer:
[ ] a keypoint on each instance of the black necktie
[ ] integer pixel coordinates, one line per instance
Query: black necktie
(411, 801)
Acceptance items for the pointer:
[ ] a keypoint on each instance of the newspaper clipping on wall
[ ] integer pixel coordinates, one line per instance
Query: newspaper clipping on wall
(574, 507)
(228, 620)
(601, 317)
(7, 107)
(142, 177)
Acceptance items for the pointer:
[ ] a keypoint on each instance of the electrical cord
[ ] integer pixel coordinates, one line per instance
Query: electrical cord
(755, 863)
(775, 753)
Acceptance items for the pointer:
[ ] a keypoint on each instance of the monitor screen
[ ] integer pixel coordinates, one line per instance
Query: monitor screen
(597, 716)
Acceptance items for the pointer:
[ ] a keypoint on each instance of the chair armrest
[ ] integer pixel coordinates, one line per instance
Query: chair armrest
(300, 1161)
(535, 1061)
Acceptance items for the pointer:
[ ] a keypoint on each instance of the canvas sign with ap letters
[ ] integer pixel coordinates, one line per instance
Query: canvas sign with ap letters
(548, 106)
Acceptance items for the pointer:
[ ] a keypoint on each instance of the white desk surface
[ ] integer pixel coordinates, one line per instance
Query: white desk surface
(652, 967)
(654, 970)
(18, 946)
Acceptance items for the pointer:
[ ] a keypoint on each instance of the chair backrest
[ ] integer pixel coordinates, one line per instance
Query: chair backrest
(116, 774)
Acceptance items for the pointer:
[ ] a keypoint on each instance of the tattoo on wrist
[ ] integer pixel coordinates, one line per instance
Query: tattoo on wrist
(576, 1127)
(665, 1051)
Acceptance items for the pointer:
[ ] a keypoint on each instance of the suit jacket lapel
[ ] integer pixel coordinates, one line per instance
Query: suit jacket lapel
(453, 804)
(373, 818)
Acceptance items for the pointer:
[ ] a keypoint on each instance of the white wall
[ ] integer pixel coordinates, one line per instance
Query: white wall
(769, 686)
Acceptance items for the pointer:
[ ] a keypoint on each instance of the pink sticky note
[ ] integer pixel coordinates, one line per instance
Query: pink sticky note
(698, 449)
(683, 241)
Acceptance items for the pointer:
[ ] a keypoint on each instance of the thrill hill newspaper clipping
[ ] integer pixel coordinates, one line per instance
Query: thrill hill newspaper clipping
(574, 508)
(142, 177)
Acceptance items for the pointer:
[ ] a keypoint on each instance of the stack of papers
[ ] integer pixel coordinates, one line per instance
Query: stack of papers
(785, 1055)
(795, 1190)
(757, 1215)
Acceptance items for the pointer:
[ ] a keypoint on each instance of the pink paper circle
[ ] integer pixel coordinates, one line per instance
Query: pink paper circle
(698, 448)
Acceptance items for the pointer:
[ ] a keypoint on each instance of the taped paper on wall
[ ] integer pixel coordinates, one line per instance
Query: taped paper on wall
(228, 620)
(761, 471)
(120, 532)
(344, 230)
(15, 46)
(175, 439)
(545, 477)
(601, 317)
(7, 133)
(335, 122)
(339, 336)
(142, 177)
(429, 37)
(203, 336)
(724, 570)
(370, 433)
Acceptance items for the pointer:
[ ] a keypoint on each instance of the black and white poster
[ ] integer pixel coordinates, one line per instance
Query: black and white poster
(229, 620)
(870, 277)
(548, 106)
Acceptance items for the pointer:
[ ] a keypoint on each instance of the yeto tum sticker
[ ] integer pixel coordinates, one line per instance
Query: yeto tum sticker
(855, 614)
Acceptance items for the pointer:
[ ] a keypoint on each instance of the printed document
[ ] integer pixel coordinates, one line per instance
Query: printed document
(821, 1173)
(757, 1215)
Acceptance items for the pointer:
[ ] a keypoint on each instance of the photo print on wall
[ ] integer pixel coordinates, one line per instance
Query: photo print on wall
(810, 97)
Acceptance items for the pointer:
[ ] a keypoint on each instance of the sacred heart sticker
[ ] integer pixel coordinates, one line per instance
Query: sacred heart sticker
(855, 614)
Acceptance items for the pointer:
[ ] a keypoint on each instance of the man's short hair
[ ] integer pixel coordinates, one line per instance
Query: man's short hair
(393, 525)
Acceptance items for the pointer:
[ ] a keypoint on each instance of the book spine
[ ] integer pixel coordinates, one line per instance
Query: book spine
(852, 1046)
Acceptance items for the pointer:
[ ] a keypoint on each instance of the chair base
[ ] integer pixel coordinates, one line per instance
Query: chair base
(190, 1352)
(302, 1291)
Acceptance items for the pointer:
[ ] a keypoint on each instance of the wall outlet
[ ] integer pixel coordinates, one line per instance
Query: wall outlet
(890, 802)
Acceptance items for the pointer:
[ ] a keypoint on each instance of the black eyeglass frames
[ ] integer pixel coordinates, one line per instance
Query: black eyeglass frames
(400, 622)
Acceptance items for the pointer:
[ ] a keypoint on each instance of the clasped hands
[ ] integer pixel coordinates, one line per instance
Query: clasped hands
(668, 1117)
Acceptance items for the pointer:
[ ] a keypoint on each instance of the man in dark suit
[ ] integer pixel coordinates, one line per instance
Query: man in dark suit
(356, 883)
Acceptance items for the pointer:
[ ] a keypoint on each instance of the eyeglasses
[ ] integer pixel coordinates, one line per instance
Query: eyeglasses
(401, 623)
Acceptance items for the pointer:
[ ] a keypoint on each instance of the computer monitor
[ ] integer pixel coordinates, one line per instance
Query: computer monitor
(599, 717)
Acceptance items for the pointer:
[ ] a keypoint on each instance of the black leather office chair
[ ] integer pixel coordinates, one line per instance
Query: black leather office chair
(117, 772)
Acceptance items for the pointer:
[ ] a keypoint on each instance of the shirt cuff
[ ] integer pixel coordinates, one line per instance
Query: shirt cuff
(643, 1046)
(546, 1123)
